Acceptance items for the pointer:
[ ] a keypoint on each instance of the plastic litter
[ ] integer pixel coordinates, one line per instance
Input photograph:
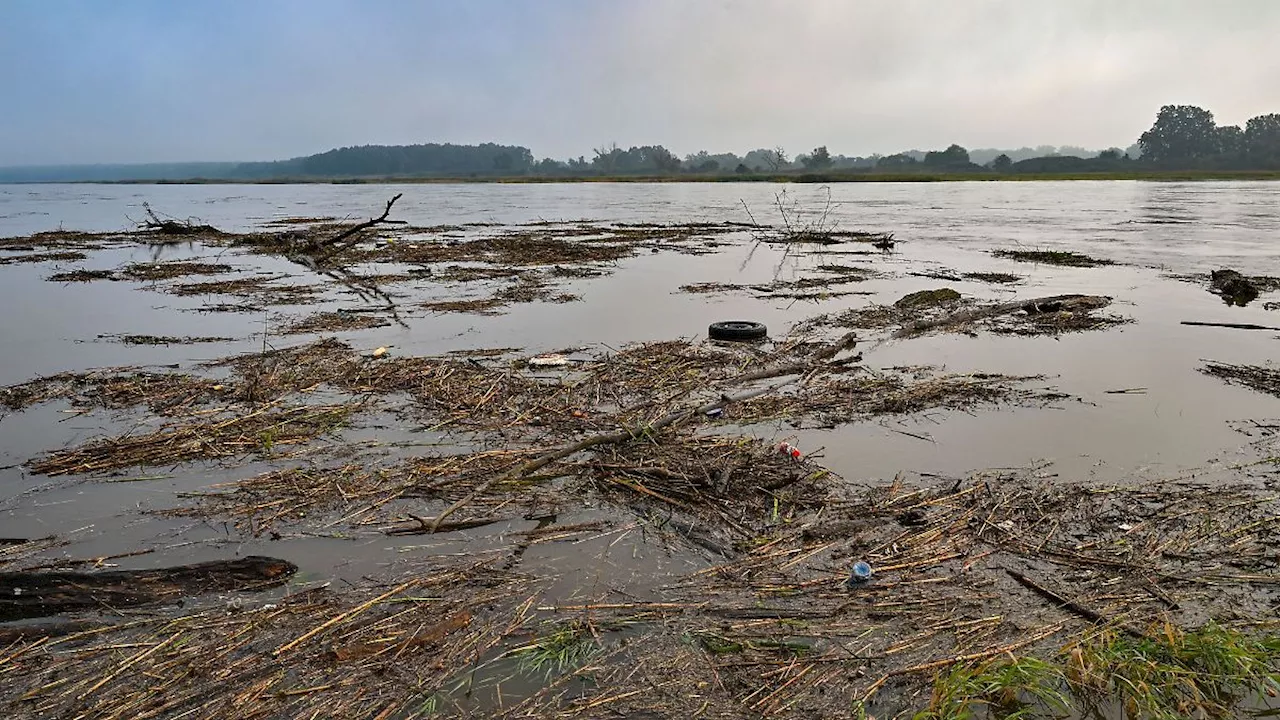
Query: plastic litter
(789, 450)
(861, 573)
(380, 352)
(549, 361)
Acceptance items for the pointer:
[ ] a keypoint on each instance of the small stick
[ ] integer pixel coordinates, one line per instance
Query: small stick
(1234, 326)
(344, 616)
(1070, 605)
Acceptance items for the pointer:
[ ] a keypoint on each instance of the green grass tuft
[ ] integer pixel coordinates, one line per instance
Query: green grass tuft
(1006, 687)
(565, 647)
(1170, 675)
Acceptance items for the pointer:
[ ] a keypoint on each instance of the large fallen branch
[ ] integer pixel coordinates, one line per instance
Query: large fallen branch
(793, 372)
(1052, 303)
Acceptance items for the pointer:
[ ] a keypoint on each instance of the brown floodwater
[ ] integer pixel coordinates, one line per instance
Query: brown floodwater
(1178, 424)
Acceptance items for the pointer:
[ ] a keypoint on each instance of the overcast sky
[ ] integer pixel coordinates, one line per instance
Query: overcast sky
(175, 80)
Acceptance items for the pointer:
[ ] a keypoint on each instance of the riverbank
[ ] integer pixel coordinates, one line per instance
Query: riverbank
(831, 177)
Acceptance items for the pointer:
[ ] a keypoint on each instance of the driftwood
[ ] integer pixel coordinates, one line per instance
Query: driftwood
(424, 526)
(676, 417)
(1234, 326)
(1051, 303)
(41, 594)
(10, 635)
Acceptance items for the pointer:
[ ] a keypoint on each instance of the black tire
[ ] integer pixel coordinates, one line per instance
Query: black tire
(737, 330)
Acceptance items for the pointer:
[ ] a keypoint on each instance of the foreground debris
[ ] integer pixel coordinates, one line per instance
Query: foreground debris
(772, 629)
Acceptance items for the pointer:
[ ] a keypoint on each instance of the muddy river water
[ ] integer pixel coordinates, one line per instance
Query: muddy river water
(1170, 422)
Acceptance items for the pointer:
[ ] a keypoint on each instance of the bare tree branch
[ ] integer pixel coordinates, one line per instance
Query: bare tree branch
(334, 245)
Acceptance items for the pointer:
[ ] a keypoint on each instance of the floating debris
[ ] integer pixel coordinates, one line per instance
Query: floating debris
(327, 322)
(1052, 257)
(1255, 377)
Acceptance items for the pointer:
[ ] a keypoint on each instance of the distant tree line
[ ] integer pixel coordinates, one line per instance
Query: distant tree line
(399, 160)
(1183, 137)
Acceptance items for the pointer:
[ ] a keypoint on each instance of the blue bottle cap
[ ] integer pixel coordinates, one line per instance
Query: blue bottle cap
(860, 574)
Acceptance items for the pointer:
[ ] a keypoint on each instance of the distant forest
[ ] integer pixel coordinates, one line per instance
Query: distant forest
(1183, 137)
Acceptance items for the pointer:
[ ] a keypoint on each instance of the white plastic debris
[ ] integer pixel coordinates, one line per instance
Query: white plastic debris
(549, 361)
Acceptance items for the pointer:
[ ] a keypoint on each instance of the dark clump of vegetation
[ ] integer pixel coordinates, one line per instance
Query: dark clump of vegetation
(65, 256)
(1051, 257)
(324, 322)
(1232, 287)
(168, 270)
(993, 277)
(927, 298)
(163, 339)
(82, 275)
(944, 310)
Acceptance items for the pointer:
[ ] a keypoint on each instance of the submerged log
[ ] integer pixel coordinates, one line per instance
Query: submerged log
(41, 594)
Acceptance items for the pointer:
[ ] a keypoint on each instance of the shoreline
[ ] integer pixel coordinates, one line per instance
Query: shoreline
(805, 178)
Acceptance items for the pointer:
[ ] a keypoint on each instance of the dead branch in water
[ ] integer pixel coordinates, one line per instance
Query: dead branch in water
(336, 245)
(172, 226)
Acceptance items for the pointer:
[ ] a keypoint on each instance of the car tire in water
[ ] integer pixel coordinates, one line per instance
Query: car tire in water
(737, 330)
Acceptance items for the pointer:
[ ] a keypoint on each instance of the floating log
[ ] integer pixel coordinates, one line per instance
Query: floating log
(10, 635)
(41, 594)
